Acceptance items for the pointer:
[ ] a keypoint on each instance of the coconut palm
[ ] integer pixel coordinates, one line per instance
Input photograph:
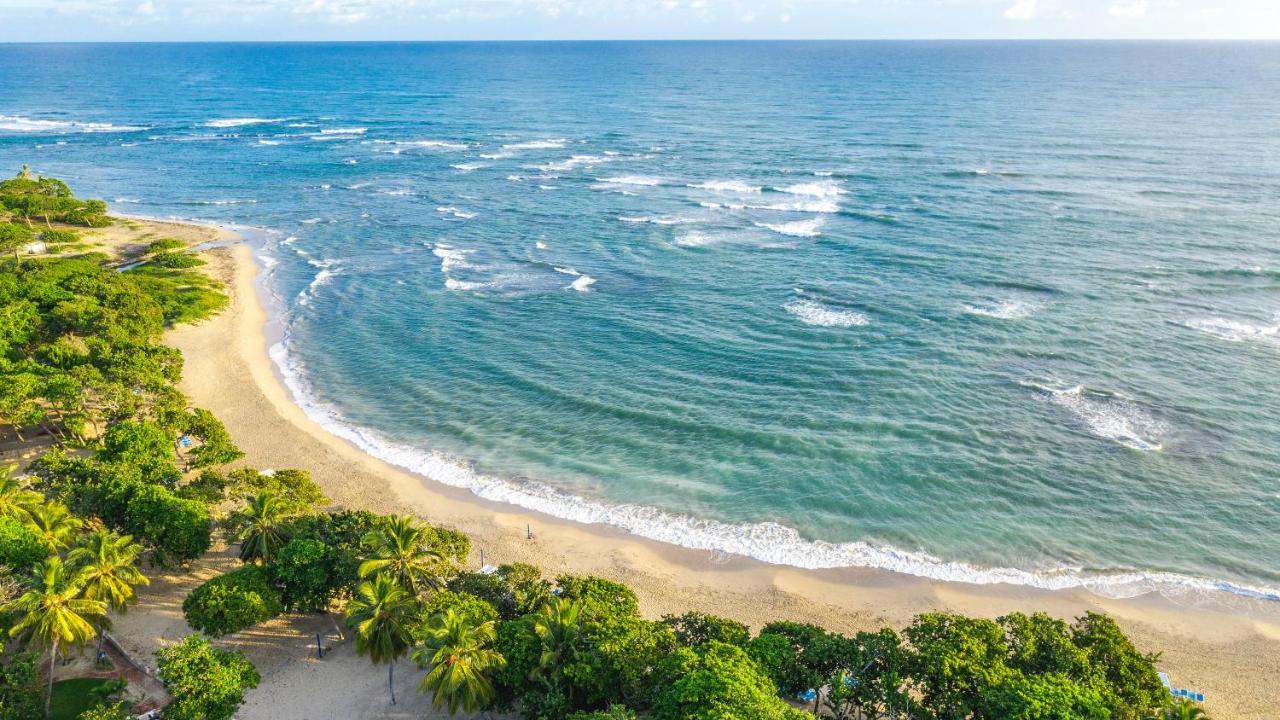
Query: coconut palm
(15, 500)
(1182, 709)
(107, 563)
(401, 548)
(381, 613)
(259, 527)
(54, 615)
(55, 525)
(457, 656)
(559, 628)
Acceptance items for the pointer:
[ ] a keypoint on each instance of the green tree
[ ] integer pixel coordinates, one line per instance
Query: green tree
(118, 710)
(108, 567)
(53, 615)
(20, 688)
(381, 613)
(1132, 684)
(300, 570)
(715, 681)
(143, 444)
(55, 525)
(259, 527)
(13, 238)
(1050, 696)
(16, 501)
(515, 589)
(695, 628)
(206, 683)
(954, 660)
(458, 656)
(401, 549)
(558, 626)
(1181, 709)
(232, 601)
(20, 545)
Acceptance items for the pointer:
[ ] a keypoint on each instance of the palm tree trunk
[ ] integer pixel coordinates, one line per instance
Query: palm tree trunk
(53, 660)
(390, 685)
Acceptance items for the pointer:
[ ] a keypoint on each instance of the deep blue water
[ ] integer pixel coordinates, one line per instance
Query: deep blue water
(972, 310)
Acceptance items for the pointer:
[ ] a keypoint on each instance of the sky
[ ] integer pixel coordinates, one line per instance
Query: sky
(183, 20)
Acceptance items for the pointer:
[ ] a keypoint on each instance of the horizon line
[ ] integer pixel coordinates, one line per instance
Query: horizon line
(459, 41)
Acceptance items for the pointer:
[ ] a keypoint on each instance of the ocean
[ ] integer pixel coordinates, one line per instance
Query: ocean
(965, 310)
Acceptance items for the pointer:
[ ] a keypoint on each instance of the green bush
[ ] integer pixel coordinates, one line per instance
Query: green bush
(206, 683)
(165, 245)
(232, 602)
(20, 547)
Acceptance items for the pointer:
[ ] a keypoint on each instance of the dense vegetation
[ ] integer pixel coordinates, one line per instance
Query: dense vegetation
(136, 473)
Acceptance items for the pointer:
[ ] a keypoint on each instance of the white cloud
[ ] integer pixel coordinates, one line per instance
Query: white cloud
(748, 16)
(146, 7)
(1021, 10)
(1130, 11)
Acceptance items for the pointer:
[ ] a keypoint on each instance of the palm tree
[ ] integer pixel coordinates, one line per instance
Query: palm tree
(457, 655)
(559, 628)
(55, 525)
(54, 615)
(1182, 709)
(259, 527)
(108, 565)
(381, 613)
(15, 500)
(401, 548)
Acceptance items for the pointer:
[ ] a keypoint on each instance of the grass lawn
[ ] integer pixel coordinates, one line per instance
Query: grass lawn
(71, 697)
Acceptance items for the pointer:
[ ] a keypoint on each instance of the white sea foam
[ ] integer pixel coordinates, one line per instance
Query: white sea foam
(583, 283)
(1107, 415)
(816, 205)
(537, 144)
(656, 220)
(828, 189)
(461, 214)
(131, 201)
(698, 238)
(767, 541)
(322, 278)
(344, 131)
(728, 186)
(540, 245)
(796, 228)
(455, 284)
(814, 313)
(641, 180)
(1237, 330)
(268, 142)
(240, 122)
(467, 167)
(567, 271)
(17, 123)
(433, 144)
(450, 258)
(230, 201)
(1003, 309)
(574, 162)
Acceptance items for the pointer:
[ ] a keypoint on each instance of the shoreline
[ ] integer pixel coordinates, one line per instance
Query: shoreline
(1229, 648)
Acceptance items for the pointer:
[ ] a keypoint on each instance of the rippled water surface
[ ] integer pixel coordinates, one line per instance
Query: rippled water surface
(981, 311)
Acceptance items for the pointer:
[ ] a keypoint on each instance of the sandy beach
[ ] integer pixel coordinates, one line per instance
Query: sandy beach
(1225, 646)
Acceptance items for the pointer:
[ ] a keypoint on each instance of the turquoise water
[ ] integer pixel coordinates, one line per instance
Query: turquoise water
(982, 311)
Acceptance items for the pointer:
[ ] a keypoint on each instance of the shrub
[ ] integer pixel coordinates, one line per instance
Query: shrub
(206, 683)
(165, 244)
(232, 602)
(20, 547)
(695, 628)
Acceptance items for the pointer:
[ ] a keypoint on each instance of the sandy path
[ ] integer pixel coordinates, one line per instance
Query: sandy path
(1229, 648)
